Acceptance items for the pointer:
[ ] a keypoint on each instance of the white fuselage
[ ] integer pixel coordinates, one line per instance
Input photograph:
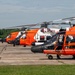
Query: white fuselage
(44, 33)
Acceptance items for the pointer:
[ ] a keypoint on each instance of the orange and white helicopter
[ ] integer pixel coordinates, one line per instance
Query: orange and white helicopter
(12, 36)
(62, 43)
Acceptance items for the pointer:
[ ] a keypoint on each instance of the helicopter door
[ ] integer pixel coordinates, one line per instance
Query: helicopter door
(70, 45)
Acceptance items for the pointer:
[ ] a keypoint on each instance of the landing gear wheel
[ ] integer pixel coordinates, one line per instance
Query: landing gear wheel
(50, 57)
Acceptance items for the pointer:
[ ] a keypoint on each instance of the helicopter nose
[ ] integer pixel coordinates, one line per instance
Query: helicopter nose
(37, 49)
(2, 40)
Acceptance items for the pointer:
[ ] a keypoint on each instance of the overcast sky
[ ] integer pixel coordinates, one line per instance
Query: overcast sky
(19, 12)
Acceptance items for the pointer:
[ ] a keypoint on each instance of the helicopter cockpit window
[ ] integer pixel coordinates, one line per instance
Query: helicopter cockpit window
(69, 38)
(18, 34)
(70, 41)
(23, 36)
(9, 36)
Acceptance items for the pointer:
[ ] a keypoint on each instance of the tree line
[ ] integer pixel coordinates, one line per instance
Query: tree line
(5, 32)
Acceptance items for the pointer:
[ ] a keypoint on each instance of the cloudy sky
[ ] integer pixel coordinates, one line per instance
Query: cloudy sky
(19, 12)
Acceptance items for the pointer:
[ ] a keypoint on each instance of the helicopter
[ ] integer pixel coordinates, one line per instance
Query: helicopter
(14, 35)
(32, 36)
(62, 43)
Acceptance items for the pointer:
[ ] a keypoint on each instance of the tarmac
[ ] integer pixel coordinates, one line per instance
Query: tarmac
(20, 55)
